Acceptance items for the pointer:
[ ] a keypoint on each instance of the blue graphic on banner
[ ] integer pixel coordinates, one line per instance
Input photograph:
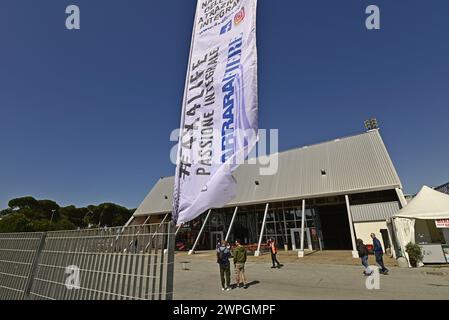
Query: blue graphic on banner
(226, 28)
(231, 98)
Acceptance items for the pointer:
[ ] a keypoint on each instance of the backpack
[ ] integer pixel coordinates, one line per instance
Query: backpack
(363, 250)
(221, 256)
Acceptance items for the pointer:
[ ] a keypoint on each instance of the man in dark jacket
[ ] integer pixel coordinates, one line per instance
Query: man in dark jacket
(379, 253)
(223, 255)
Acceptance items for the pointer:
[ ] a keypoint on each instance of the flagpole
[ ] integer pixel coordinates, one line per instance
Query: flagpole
(171, 234)
(184, 104)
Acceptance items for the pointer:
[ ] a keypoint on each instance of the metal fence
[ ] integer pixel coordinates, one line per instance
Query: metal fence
(134, 262)
(18, 253)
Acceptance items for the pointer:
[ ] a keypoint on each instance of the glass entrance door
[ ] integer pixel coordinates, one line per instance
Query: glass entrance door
(295, 234)
(215, 236)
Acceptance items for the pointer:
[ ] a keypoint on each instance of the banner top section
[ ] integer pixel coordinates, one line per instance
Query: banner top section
(219, 115)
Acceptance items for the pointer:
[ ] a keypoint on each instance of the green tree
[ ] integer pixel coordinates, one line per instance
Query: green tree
(74, 215)
(6, 212)
(16, 222)
(23, 202)
(27, 214)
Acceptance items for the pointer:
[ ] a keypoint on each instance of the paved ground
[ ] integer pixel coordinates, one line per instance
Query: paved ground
(317, 276)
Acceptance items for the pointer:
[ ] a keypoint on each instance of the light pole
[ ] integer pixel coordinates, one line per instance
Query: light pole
(52, 214)
(88, 212)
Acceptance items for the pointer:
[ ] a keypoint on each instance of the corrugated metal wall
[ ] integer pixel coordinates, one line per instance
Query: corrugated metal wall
(374, 211)
(444, 188)
(354, 164)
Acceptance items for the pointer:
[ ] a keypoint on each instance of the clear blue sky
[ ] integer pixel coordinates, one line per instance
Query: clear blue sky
(85, 116)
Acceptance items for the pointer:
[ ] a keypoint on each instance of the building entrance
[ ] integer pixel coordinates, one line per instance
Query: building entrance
(295, 234)
(335, 227)
(215, 236)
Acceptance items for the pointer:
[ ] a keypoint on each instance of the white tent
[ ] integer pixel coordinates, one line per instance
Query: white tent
(428, 204)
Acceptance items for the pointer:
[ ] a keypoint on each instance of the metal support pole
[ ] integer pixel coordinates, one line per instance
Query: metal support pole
(163, 220)
(390, 238)
(303, 220)
(285, 231)
(355, 253)
(199, 234)
(257, 253)
(34, 265)
(231, 224)
(128, 222)
(170, 261)
(159, 226)
(401, 197)
(177, 230)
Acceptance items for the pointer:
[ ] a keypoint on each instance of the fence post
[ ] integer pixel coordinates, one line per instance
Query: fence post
(34, 265)
(170, 261)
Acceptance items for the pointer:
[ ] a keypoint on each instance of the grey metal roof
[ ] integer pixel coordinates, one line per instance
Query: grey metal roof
(443, 188)
(374, 211)
(353, 164)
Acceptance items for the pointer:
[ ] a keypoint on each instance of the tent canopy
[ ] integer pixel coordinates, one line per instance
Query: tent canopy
(427, 204)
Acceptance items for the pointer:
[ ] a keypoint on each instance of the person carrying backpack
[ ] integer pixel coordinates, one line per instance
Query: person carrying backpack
(223, 255)
(363, 254)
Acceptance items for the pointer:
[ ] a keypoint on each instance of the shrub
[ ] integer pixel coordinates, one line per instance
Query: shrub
(414, 253)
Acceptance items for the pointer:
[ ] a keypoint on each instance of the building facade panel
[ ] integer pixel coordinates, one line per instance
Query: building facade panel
(374, 211)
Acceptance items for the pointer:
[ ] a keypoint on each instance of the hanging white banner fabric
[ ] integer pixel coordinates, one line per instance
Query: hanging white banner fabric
(219, 117)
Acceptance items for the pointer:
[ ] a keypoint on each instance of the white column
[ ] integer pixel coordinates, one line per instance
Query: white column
(159, 226)
(390, 238)
(303, 220)
(146, 220)
(231, 224)
(285, 229)
(401, 197)
(177, 230)
(355, 253)
(257, 253)
(199, 234)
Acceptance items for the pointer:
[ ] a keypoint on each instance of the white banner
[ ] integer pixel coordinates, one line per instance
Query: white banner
(219, 117)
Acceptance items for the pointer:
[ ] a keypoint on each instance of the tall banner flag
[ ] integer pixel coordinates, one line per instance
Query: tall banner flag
(219, 116)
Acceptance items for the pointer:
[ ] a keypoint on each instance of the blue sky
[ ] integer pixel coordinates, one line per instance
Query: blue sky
(85, 116)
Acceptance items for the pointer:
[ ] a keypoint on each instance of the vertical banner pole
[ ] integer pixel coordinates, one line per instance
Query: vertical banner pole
(170, 261)
(182, 121)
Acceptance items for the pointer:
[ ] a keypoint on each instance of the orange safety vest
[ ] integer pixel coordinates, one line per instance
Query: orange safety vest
(273, 248)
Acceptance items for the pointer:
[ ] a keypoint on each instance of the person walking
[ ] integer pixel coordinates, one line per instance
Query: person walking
(363, 254)
(274, 250)
(223, 255)
(379, 254)
(239, 265)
